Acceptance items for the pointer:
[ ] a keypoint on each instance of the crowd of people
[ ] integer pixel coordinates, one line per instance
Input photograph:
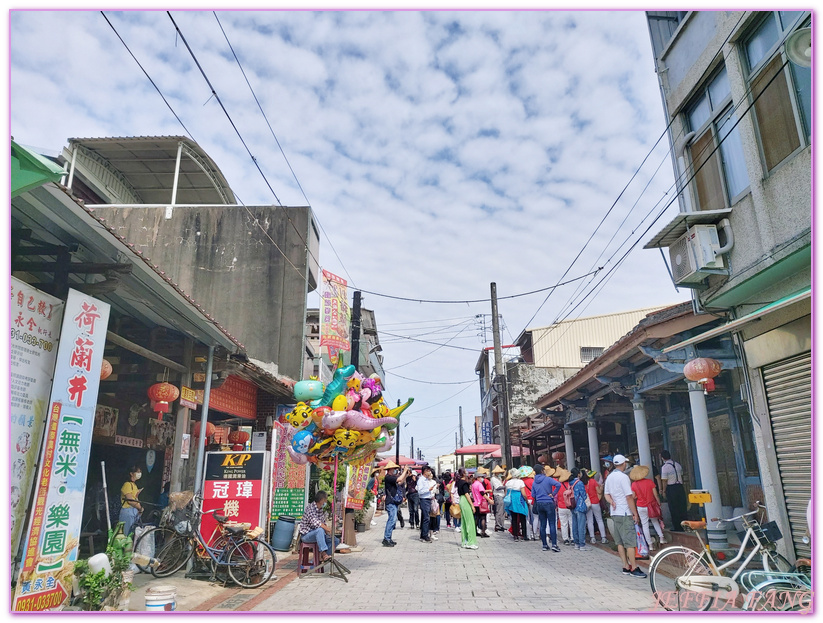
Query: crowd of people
(549, 503)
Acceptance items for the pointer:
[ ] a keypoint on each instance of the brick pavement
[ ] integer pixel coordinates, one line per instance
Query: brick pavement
(500, 575)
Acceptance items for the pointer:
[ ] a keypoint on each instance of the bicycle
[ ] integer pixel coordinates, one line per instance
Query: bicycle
(699, 579)
(236, 551)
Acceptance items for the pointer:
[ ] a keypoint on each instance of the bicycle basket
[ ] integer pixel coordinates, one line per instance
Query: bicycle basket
(768, 532)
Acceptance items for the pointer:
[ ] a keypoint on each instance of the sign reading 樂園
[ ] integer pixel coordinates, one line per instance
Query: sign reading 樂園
(55, 522)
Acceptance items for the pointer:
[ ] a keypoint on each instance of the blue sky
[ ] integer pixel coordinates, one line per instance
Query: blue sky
(440, 150)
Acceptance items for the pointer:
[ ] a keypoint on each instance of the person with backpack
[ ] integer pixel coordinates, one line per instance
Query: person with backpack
(648, 503)
(393, 498)
(454, 497)
(595, 492)
(445, 487)
(545, 490)
(575, 499)
(425, 491)
(516, 505)
(563, 512)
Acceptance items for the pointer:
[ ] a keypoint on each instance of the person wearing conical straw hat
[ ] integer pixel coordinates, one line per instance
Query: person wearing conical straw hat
(648, 503)
(393, 498)
(562, 475)
(498, 493)
(595, 492)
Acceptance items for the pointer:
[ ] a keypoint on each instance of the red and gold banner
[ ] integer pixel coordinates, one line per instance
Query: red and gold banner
(334, 315)
(236, 397)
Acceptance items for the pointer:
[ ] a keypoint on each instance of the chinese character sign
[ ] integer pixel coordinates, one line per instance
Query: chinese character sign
(358, 478)
(234, 487)
(289, 479)
(486, 432)
(334, 315)
(50, 549)
(32, 358)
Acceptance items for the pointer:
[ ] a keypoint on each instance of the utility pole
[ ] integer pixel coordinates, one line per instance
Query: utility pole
(397, 441)
(355, 330)
(462, 458)
(500, 381)
(411, 451)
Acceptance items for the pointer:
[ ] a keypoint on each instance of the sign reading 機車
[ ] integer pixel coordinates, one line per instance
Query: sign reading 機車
(35, 328)
(334, 315)
(54, 525)
(233, 486)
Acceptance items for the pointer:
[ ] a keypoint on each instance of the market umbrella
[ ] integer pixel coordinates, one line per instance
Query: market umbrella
(404, 460)
(478, 448)
(515, 452)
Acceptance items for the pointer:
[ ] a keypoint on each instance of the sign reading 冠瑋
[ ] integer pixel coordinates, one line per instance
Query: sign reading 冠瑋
(54, 526)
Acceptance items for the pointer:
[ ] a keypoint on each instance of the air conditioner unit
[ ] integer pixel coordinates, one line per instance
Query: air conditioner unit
(694, 255)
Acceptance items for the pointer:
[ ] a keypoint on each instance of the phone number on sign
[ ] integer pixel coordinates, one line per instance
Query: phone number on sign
(32, 340)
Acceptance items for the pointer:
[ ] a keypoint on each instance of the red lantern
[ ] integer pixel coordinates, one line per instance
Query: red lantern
(210, 429)
(237, 447)
(163, 392)
(238, 437)
(702, 369)
(105, 370)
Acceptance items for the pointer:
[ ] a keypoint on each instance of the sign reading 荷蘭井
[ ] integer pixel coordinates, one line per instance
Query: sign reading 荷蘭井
(35, 329)
(50, 551)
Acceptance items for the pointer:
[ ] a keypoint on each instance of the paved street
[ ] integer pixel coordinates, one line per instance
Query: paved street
(500, 575)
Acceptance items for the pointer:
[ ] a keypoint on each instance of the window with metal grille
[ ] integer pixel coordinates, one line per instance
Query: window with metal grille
(590, 353)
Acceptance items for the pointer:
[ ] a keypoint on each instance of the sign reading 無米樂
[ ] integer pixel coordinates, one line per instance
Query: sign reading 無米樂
(50, 551)
(334, 315)
(35, 328)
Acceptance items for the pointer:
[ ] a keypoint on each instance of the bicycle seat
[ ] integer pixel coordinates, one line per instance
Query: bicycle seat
(218, 517)
(694, 525)
(235, 530)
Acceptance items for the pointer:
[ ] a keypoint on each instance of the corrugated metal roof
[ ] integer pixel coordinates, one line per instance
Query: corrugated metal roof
(148, 164)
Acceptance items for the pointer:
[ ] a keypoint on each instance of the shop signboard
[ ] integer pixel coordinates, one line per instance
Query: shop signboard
(358, 478)
(35, 328)
(54, 525)
(233, 485)
(236, 397)
(188, 398)
(486, 432)
(289, 480)
(334, 315)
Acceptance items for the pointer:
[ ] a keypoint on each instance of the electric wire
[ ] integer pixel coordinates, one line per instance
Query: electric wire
(403, 365)
(668, 126)
(473, 350)
(405, 378)
(663, 211)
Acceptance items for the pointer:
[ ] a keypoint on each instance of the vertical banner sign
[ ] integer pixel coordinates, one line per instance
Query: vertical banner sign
(234, 487)
(54, 527)
(289, 481)
(334, 315)
(358, 479)
(35, 328)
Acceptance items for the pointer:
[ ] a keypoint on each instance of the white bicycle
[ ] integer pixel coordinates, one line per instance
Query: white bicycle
(699, 581)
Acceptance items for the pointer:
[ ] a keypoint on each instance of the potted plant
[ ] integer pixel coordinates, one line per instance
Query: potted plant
(102, 591)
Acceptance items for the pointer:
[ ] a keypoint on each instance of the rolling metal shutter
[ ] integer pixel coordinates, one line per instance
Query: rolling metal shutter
(789, 395)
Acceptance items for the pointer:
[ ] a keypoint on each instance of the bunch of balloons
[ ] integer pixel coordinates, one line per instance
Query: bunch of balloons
(347, 420)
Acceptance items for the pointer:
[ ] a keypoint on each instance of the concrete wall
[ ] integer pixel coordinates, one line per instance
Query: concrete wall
(527, 383)
(773, 219)
(224, 259)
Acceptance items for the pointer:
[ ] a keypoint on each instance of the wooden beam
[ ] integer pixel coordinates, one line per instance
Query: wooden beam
(77, 267)
(144, 352)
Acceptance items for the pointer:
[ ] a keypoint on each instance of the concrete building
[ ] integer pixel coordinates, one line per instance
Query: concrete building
(250, 266)
(547, 356)
(740, 115)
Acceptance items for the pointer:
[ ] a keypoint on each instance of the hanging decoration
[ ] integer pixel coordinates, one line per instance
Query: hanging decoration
(162, 395)
(347, 419)
(150, 459)
(210, 430)
(105, 370)
(703, 370)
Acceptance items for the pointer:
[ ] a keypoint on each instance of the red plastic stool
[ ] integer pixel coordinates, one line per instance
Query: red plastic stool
(303, 564)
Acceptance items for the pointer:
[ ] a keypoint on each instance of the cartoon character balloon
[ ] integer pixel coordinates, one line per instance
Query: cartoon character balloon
(301, 441)
(300, 416)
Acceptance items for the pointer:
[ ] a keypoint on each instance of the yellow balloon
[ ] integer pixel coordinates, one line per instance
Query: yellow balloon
(339, 403)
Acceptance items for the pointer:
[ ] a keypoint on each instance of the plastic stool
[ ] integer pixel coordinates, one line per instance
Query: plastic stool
(303, 564)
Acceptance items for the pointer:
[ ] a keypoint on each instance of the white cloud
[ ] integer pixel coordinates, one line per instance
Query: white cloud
(440, 150)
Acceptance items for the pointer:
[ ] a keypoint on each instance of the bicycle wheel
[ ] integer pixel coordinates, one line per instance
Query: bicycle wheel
(772, 561)
(251, 563)
(219, 569)
(172, 556)
(670, 564)
(153, 540)
(779, 596)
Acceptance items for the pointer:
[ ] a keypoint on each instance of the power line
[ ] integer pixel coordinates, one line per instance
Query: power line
(512, 296)
(405, 378)
(663, 211)
(403, 365)
(294, 175)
